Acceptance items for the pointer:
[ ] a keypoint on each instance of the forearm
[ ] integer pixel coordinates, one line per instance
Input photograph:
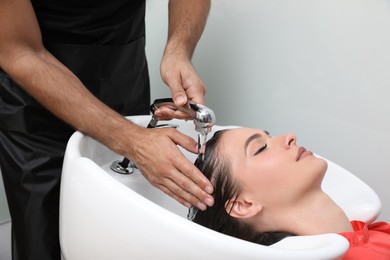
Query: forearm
(61, 92)
(187, 19)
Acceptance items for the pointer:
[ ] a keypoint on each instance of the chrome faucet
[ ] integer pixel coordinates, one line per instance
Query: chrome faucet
(202, 116)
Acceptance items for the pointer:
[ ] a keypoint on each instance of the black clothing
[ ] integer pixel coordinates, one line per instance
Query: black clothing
(102, 42)
(93, 22)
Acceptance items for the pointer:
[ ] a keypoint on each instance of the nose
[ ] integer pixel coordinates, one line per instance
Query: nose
(285, 141)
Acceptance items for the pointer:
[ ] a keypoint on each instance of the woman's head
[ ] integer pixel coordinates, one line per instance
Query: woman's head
(256, 175)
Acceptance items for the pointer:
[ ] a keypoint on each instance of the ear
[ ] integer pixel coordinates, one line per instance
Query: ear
(241, 208)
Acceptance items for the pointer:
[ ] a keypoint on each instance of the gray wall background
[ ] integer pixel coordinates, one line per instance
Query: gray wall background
(317, 68)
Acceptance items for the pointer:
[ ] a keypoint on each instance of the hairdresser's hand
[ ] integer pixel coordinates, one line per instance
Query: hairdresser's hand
(184, 82)
(157, 156)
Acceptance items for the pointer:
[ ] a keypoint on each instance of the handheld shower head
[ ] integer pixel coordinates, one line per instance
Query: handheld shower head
(202, 116)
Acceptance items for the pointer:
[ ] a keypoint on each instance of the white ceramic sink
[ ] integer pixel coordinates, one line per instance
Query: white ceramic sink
(105, 215)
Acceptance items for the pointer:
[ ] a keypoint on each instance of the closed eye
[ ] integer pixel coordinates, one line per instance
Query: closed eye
(260, 149)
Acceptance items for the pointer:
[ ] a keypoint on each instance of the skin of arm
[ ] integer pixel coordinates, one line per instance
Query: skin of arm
(24, 58)
(187, 20)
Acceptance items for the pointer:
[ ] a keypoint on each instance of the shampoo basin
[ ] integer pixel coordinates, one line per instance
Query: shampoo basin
(105, 215)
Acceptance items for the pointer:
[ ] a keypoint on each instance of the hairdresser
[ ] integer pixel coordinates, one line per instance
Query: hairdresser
(69, 65)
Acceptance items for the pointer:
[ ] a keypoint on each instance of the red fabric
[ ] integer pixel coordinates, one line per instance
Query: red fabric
(368, 241)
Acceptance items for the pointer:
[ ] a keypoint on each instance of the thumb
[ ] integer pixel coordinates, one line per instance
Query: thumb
(178, 94)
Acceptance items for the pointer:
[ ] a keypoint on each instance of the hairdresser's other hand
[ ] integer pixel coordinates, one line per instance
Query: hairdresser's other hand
(184, 82)
(157, 156)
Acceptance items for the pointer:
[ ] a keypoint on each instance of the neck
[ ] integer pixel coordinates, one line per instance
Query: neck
(316, 214)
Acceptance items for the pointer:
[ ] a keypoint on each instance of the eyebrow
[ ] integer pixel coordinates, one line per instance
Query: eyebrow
(250, 139)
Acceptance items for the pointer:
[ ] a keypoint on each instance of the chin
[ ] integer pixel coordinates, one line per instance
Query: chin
(321, 160)
(320, 165)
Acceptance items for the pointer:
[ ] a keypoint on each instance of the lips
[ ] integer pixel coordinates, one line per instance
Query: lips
(302, 153)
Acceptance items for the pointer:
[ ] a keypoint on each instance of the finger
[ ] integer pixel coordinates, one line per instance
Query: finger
(174, 196)
(193, 181)
(165, 113)
(180, 187)
(183, 140)
(185, 189)
(172, 189)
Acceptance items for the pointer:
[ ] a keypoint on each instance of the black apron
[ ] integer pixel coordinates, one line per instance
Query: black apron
(33, 141)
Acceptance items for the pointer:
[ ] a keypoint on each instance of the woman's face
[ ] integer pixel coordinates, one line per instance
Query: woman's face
(274, 171)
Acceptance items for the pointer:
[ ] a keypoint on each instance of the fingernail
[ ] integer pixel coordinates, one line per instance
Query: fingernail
(201, 206)
(187, 204)
(209, 202)
(209, 189)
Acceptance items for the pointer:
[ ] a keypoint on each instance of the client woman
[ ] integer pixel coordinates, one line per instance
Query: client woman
(267, 188)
